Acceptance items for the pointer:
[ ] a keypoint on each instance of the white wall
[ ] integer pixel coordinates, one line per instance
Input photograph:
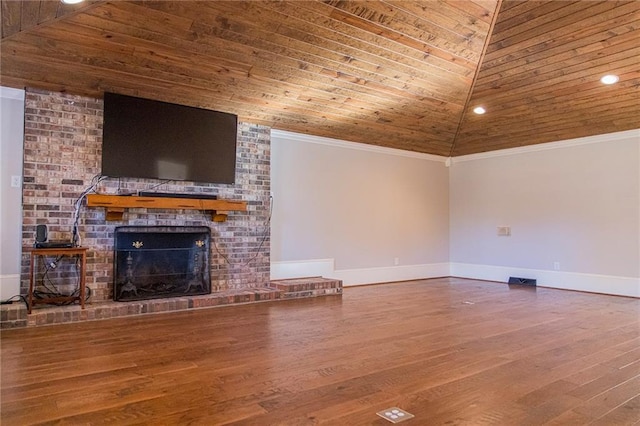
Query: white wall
(349, 211)
(11, 147)
(574, 213)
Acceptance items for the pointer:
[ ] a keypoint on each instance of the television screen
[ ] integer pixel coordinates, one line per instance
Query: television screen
(144, 138)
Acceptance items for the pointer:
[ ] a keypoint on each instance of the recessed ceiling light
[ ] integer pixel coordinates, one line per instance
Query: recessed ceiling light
(479, 110)
(609, 79)
(71, 1)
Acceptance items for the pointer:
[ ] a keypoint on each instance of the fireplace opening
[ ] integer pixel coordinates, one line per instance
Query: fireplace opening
(153, 262)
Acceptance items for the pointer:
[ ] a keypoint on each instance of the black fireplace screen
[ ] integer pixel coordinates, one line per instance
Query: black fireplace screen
(154, 262)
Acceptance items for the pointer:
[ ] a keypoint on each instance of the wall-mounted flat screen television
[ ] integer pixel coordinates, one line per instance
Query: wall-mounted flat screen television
(143, 138)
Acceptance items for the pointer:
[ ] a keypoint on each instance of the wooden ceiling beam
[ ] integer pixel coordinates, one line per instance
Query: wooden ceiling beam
(467, 104)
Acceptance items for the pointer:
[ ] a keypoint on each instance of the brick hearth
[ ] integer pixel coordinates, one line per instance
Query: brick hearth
(15, 314)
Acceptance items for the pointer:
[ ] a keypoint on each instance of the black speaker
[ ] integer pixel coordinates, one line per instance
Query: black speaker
(41, 233)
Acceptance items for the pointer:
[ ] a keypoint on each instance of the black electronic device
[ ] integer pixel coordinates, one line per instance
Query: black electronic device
(53, 244)
(41, 233)
(193, 195)
(144, 138)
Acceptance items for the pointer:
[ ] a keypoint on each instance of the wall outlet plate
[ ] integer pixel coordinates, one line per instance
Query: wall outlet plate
(504, 231)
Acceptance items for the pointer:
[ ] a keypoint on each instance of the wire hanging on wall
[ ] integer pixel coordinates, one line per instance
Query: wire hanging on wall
(266, 226)
(75, 236)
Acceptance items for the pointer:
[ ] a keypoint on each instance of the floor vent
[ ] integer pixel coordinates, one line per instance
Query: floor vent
(395, 415)
(522, 281)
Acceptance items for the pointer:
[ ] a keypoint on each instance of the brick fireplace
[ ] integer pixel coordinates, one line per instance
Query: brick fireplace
(62, 154)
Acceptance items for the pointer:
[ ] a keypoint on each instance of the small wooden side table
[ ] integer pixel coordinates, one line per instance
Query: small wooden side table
(80, 252)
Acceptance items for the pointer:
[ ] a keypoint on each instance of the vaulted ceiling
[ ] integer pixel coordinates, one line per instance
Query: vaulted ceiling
(401, 74)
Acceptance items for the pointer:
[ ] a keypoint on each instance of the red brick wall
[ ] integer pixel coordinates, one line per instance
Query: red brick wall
(62, 154)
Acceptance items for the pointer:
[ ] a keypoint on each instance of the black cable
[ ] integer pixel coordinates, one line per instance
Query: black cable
(10, 300)
(52, 288)
(264, 238)
(160, 184)
(75, 236)
(45, 280)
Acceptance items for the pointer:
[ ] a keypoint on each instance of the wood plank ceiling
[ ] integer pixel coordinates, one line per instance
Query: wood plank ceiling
(401, 74)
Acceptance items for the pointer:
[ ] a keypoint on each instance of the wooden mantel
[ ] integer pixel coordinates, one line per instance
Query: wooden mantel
(116, 204)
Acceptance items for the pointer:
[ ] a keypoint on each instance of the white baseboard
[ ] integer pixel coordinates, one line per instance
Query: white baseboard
(326, 268)
(593, 283)
(9, 286)
(302, 268)
(351, 277)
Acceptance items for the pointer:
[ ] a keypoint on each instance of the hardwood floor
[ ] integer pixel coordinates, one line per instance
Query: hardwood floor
(449, 351)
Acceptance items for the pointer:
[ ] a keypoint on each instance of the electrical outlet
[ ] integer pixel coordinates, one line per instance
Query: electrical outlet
(556, 266)
(504, 231)
(396, 261)
(16, 181)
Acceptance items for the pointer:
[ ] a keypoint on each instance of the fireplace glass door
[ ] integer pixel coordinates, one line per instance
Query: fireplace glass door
(154, 262)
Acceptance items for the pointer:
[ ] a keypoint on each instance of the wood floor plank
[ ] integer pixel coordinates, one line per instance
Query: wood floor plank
(614, 397)
(606, 383)
(449, 351)
(627, 413)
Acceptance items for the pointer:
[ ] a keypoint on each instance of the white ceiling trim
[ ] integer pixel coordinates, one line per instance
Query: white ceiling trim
(10, 93)
(299, 137)
(608, 137)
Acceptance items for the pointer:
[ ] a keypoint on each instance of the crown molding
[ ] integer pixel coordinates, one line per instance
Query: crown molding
(299, 137)
(10, 93)
(607, 137)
